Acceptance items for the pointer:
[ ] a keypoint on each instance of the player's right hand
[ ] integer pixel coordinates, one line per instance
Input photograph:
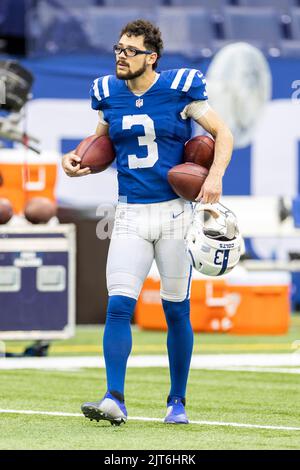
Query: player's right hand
(71, 165)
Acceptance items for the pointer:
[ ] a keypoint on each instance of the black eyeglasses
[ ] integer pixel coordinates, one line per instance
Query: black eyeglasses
(129, 51)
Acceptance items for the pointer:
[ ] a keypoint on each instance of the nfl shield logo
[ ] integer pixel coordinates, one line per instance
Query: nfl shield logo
(139, 102)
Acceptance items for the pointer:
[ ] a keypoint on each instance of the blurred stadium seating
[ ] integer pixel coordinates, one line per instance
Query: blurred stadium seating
(290, 48)
(259, 26)
(280, 5)
(12, 27)
(295, 23)
(195, 34)
(58, 26)
(132, 3)
(10, 23)
(212, 5)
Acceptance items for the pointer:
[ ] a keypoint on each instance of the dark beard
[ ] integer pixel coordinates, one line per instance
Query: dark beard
(131, 75)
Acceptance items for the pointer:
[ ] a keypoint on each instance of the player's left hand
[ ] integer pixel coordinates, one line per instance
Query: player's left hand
(211, 189)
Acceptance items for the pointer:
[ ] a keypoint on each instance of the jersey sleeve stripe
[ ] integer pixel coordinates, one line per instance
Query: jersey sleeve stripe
(177, 78)
(105, 86)
(189, 80)
(96, 89)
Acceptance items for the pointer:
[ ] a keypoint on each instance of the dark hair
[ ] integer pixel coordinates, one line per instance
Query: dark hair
(152, 35)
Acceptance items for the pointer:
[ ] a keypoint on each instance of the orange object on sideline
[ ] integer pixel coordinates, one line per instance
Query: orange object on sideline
(205, 309)
(149, 313)
(253, 304)
(24, 175)
(262, 310)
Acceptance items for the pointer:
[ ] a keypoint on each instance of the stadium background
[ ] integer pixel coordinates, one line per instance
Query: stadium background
(66, 44)
(66, 50)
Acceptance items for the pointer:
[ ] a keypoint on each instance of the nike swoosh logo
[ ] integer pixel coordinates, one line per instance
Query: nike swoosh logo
(177, 215)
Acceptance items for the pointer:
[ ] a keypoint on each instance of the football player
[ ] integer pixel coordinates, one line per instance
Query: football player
(148, 114)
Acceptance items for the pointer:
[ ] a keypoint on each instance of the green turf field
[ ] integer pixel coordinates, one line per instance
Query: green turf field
(240, 397)
(237, 397)
(88, 341)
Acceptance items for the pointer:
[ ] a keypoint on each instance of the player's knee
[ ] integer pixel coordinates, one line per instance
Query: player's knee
(176, 311)
(124, 284)
(176, 289)
(173, 296)
(120, 307)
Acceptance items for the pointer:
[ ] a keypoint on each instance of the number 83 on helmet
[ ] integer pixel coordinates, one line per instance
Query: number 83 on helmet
(213, 241)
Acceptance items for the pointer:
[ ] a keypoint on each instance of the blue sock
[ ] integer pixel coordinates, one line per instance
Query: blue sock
(117, 340)
(180, 344)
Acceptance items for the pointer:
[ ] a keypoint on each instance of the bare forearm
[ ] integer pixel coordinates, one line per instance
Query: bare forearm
(212, 123)
(212, 187)
(223, 151)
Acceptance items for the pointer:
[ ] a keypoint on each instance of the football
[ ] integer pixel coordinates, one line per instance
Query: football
(6, 210)
(39, 210)
(200, 150)
(187, 179)
(96, 153)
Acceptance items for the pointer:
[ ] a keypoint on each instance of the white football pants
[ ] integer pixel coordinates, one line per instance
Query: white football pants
(142, 233)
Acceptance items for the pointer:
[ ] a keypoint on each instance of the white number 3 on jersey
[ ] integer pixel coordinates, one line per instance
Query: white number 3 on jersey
(148, 139)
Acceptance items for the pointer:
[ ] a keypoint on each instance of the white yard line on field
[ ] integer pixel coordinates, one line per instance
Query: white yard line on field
(278, 370)
(255, 362)
(158, 420)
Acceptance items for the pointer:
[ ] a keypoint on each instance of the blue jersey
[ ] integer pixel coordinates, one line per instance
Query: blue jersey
(148, 131)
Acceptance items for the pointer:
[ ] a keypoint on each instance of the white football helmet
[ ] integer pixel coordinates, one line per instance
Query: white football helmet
(213, 241)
